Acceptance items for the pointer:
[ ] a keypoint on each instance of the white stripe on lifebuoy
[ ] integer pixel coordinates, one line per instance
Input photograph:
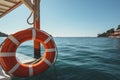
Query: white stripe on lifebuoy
(14, 40)
(7, 54)
(47, 62)
(47, 40)
(14, 68)
(33, 34)
(30, 70)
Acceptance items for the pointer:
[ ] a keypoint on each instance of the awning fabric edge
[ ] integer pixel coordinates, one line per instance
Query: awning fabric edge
(12, 8)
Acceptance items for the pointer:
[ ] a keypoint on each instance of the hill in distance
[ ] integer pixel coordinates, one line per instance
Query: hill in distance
(3, 34)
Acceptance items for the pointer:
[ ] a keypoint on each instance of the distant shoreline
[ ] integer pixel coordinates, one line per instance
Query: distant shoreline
(112, 33)
(3, 34)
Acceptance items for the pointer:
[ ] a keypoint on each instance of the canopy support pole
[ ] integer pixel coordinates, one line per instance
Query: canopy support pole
(35, 8)
(37, 50)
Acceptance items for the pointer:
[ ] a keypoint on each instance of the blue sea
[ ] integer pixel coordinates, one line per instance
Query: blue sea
(80, 58)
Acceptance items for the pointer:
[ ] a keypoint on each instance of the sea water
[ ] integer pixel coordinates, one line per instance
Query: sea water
(80, 58)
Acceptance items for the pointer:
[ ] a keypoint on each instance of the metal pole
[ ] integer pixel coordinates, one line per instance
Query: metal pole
(37, 50)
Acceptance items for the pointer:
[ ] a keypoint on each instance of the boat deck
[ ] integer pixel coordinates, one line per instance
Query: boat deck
(3, 76)
(22, 59)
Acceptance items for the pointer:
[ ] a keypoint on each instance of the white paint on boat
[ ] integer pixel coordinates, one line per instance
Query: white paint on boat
(22, 59)
(3, 75)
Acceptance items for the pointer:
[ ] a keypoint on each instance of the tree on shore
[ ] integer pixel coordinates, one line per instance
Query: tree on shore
(118, 27)
(110, 32)
(107, 33)
(102, 35)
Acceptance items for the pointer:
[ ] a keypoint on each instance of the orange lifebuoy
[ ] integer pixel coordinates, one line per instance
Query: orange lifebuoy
(8, 53)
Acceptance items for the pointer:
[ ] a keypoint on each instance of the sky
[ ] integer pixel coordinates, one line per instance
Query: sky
(67, 18)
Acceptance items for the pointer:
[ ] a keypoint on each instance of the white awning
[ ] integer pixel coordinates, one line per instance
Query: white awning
(7, 6)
